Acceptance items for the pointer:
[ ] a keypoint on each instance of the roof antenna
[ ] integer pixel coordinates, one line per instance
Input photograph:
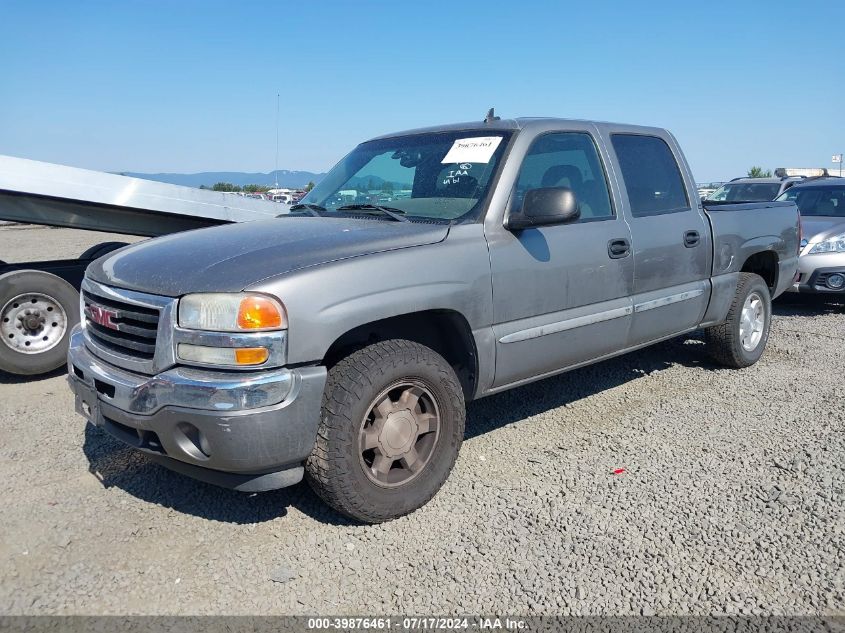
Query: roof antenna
(491, 116)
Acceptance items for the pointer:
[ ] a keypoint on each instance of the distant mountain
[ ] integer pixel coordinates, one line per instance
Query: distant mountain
(287, 179)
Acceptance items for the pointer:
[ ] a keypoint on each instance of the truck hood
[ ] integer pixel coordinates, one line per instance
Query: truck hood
(819, 228)
(232, 257)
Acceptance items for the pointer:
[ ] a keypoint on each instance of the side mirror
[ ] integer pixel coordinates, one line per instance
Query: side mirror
(544, 207)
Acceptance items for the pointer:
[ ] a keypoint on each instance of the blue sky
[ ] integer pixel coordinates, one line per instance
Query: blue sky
(191, 86)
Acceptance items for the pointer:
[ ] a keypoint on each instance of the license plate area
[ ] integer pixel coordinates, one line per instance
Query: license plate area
(86, 403)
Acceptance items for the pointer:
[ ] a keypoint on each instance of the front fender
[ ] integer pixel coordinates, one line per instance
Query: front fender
(326, 301)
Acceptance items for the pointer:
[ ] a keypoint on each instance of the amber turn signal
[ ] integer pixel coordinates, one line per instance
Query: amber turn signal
(251, 355)
(259, 313)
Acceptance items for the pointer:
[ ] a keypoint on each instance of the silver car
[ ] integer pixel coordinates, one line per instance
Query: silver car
(821, 266)
(752, 189)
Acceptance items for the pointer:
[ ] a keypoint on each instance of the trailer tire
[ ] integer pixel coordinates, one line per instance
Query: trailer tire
(98, 250)
(37, 313)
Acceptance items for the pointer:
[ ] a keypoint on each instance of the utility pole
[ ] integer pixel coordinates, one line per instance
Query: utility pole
(276, 172)
(837, 158)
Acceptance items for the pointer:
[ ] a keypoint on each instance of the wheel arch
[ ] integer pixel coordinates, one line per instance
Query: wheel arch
(765, 264)
(445, 331)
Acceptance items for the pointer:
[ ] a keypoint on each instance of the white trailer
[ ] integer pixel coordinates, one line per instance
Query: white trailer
(39, 300)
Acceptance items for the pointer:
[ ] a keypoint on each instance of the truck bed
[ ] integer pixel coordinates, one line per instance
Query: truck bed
(740, 229)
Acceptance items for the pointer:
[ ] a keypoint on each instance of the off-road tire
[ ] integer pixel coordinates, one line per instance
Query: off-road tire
(723, 341)
(334, 468)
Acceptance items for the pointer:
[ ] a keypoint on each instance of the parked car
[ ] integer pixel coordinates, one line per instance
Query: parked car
(341, 342)
(752, 189)
(822, 262)
(706, 188)
(762, 189)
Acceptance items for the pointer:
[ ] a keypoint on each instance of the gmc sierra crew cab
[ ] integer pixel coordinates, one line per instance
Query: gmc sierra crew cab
(341, 342)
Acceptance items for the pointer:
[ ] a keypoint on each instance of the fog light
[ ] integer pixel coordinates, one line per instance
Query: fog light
(835, 281)
(191, 440)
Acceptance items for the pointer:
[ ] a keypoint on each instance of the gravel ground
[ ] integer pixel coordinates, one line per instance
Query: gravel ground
(731, 501)
(31, 242)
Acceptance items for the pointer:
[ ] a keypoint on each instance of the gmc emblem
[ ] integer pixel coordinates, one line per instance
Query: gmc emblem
(102, 316)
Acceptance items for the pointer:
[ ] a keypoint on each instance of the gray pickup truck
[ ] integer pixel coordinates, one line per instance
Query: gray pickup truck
(428, 268)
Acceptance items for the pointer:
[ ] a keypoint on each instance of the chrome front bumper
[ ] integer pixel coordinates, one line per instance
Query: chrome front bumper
(178, 387)
(249, 431)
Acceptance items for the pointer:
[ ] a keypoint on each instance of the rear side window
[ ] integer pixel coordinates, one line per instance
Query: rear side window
(651, 175)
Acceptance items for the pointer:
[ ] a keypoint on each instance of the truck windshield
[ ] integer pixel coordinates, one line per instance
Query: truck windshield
(746, 192)
(818, 201)
(438, 176)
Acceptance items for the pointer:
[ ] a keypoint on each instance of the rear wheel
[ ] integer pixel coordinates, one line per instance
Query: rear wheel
(37, 312)
(391, 425)
(741, 339)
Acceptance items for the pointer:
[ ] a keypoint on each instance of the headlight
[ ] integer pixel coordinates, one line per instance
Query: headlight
(218, 312)
(835, 244)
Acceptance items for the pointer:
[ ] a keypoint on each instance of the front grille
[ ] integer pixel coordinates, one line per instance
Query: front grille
(121, 327)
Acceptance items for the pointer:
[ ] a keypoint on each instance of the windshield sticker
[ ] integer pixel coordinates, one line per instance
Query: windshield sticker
(454, 176)
(478, 149)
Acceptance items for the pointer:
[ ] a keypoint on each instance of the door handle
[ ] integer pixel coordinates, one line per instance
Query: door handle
(691, 238)
(618, 248)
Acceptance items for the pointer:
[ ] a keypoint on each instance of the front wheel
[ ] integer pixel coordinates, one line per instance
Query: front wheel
(391, 425)
(741, 339)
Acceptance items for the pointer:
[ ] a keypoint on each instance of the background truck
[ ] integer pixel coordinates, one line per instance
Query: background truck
(341, 342)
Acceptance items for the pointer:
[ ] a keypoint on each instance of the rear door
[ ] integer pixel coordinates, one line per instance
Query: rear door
(670, 235)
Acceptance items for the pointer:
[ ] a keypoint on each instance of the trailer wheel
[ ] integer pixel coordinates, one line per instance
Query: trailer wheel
(37, 312)
(98, 250)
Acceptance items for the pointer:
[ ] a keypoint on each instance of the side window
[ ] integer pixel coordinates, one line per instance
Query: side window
(651, 175)
(566, 159)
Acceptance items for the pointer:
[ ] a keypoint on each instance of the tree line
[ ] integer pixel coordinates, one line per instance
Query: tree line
(228, 186)
(759, 172)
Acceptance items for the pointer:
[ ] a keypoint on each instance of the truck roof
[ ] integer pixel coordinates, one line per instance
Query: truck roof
(520, 123)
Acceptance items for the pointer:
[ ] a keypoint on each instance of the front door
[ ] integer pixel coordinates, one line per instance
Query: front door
(561, 294)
